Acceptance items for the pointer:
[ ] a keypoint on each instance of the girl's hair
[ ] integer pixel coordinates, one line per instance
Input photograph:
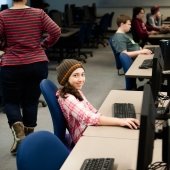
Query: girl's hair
(122, 19)
(68, 89)
(136, 11)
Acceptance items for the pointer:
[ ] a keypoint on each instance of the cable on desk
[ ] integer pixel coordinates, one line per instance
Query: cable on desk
(159, 123)
(158, 165)
(162, 96)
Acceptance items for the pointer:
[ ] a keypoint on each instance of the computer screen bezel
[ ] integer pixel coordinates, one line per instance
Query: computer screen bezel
(157, 77)
(166, 144)
(147, 130)
(165, 49)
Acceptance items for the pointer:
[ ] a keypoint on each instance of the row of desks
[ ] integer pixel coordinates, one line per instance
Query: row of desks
(134, 70)
(109, 141)
(116, 142)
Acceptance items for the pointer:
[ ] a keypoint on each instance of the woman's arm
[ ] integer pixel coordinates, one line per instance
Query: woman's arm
(77, 109)
(111, 121)
(136, 53)
(52, 29)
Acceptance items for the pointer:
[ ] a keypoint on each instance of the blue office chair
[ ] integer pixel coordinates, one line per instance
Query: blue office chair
(41, 150)
(117, 59)
(48, 89)
(126, 62)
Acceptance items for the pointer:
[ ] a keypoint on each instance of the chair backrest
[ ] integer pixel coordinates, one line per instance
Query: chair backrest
(117, 59)
(41, 150)
(104, 23)
(111, 18)
(57, 17)
(48, 89)
(147, 17)
(126, 62)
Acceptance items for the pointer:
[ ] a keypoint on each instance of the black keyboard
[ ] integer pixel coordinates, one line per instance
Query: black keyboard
(98, 164)
(123, 110)
(147, 63)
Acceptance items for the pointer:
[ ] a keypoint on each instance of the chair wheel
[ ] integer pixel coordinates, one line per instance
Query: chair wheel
(44, 104)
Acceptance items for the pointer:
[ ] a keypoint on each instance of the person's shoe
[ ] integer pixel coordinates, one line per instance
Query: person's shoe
(28, 130)
(18, 133)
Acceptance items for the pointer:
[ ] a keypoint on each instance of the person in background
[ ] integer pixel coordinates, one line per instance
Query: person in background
(24, 64)
(122, 42)
(139, 29)
(78, 111)
(154, 20)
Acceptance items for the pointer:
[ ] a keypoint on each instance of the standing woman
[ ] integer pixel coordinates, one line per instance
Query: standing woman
(24, 64)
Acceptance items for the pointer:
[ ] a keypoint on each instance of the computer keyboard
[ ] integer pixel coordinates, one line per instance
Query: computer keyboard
(98, 164)
(123, 110)
(147, 63)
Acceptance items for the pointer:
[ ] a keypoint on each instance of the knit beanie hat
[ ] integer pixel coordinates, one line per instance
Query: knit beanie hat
(66, 68)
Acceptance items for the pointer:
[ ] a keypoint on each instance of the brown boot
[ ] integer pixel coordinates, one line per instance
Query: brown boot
(28, 130)
(18, 133)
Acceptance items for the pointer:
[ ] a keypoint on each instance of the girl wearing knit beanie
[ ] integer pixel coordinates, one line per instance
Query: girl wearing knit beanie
(77, 110)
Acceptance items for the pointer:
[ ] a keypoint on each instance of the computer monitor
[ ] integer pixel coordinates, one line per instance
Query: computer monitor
(157, 78)
(147, 130)
(165, 48)
(166, 144)
(4, 6)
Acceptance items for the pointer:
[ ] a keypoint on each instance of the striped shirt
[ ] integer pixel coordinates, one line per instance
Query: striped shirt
(23, 30)
(78, 114)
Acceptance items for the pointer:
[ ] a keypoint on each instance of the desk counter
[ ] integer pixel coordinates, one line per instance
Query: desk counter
(160, 36)
(1, 53)
(71, 31)
(124, 151)
(119, 96)
(135, 71)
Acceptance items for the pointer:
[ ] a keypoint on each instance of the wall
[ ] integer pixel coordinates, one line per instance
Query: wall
(128, 11)
(132, 3)
(9, 2)
(107, 3)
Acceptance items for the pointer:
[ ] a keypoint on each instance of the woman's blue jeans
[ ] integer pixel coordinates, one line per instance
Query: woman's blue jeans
(21, 91)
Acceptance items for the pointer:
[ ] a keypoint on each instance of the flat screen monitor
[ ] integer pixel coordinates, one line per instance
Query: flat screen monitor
(166, 144)
(157, 78)
(4, 6)
(165, 48)
(147, 130)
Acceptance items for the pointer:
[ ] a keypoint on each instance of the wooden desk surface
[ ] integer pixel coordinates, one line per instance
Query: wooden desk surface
(111, 132)
(166, 22)
(135, 71)
(123, 150)
(1, 53)
(119, 96)
(160, 36)
(70, 32)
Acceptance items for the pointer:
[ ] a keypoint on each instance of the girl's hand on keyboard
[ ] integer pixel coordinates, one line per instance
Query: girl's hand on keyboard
(130, 123)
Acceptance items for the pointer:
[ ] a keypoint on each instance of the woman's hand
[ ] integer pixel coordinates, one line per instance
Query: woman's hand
(130, 123)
